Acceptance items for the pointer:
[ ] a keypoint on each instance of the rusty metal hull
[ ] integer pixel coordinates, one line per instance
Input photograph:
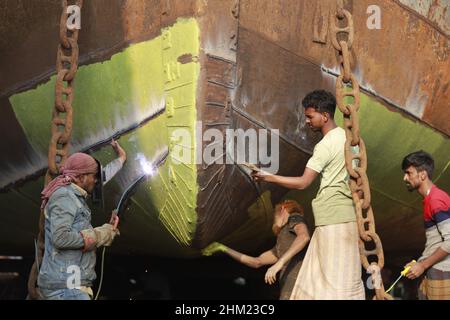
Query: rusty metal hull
(257, 59)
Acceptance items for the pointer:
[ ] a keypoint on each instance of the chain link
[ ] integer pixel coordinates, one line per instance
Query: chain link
(61, 125)
(66, 68)
(355, 152)
(340, 9)
(335, 30)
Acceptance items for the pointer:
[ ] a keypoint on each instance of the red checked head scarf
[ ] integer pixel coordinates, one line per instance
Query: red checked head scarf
(76, 165)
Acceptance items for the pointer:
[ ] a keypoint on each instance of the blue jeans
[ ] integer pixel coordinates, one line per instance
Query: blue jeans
(64, 294)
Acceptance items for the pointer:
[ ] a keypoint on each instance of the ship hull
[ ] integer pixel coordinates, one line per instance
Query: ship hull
(149, 69)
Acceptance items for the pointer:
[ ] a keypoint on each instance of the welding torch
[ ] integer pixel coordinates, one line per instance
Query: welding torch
(120, 206)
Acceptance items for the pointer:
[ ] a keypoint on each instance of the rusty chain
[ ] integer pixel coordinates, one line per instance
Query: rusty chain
(355, 151)
(61, 125)
(66, 68)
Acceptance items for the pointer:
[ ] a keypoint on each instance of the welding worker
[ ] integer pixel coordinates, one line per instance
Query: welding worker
(433, 267)
(68, 266)
(286, 256)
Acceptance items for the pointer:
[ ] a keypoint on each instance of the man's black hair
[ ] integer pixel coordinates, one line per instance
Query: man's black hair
(321, 100)
(419, 160)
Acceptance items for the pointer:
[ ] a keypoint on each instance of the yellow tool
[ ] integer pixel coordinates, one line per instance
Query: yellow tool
(402, 274)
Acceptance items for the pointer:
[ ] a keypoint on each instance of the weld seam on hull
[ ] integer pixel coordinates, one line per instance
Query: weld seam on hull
(387, 195)
(442, 172)
(94, 147)
(221, 58)
(258, 123)
(119, 133)
(432, 24)
(135, 184)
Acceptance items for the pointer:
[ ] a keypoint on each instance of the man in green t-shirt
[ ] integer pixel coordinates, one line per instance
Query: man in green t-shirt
(331, 268)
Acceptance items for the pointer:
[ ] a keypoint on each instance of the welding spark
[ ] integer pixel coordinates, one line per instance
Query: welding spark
(146, 166)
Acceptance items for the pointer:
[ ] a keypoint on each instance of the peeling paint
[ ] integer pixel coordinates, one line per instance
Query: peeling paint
(415, 103)
(437, 11)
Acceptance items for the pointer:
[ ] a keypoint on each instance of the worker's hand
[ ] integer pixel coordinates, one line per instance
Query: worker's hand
(119, 150)
(271, 274)
(114, 221)
(284, 211)
(90, 239)
(281, 218)
(213, 248)
(259, 176)
(416, 270)
(106, 234)
(409, 264)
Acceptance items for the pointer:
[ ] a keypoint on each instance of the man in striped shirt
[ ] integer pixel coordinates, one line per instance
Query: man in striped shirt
(434, 264)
